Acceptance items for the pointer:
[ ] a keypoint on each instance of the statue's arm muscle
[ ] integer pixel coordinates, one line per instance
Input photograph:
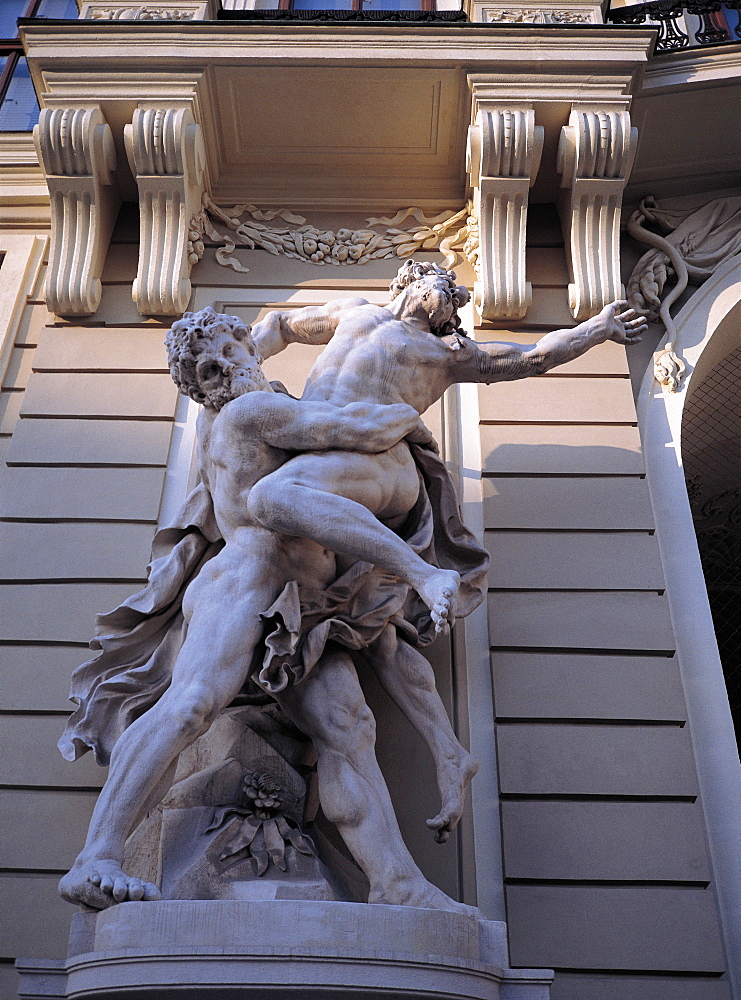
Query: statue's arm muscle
(304, 425)
(310, 325)
(506, 362)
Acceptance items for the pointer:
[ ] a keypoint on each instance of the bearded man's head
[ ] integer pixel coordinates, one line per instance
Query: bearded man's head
(212, 357)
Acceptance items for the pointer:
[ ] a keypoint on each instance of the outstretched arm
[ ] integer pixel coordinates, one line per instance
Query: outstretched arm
(310, 325)
(507, 362)
(307, 425)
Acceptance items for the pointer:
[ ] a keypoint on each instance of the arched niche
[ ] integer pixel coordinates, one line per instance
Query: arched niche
(707, 328)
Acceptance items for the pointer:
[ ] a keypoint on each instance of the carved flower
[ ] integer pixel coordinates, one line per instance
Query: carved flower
(262, 795)
(261, 830)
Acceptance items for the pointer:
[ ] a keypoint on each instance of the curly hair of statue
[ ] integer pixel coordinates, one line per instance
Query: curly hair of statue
(413, 270)
(191, 335)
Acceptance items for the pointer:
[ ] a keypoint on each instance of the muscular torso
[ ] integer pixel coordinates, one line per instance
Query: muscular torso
(374, 357)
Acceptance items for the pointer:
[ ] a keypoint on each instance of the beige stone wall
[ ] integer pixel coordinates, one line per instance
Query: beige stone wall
(88, 415)
(88, 412)
(605, 859)
(606, 872)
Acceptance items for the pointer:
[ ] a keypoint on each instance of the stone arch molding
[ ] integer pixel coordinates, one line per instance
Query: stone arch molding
(707, 327)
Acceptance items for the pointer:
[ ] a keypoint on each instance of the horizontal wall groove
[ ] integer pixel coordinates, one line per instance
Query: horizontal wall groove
(591, 797)
(579, 650)
(638, 974)
(85, 465)
(600, 375)
(100, 371)
(557, 423)
(575, 590)
(62, 581)
(76, 520)
(495, 529)
(33, 712)
(32, 872)
(598, 883)
(563, 475)
(577, 721)
(43, 642)
(93, 416)
(24, 786)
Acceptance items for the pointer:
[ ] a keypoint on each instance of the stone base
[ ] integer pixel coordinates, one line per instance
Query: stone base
(283, 950)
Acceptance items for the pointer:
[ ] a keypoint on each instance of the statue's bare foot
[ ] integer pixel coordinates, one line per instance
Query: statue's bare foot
(417, 891)
(454, 777)
(439, 591)
(100, 883)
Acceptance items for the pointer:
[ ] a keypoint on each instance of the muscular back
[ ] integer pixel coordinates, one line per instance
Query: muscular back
(374, 357)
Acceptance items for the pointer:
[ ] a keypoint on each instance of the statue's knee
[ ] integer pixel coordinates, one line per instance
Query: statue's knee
(194, 710)
(351, 726)
(271, 504)
(259, 503)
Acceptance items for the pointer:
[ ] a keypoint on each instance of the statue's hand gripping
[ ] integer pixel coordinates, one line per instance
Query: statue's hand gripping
(381, 426)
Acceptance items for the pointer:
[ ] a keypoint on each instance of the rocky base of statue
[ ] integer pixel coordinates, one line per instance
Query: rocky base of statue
(238, 821)
(284, 950)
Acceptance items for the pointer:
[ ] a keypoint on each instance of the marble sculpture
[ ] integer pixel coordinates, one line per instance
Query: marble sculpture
(324, 529)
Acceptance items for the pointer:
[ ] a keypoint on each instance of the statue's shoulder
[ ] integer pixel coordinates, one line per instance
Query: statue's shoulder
(244, 408)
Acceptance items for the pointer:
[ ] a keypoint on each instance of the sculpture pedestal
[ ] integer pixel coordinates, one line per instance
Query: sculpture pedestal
(288, 950)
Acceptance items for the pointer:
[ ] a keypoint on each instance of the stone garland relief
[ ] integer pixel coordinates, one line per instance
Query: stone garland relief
(535, 15)
(689, 246)
(249, 227)
(324, 531)
(140, 12)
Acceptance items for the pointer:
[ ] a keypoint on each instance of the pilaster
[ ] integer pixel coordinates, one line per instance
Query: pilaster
(504, 149)
(595, 156)
(166, 153)
(75, 149)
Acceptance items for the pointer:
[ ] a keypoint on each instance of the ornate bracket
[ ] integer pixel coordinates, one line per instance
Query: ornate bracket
(595, 157)
(504, 149)
(75, 148)
(167, 157)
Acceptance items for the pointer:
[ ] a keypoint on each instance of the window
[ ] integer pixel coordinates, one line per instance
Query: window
(19, 109)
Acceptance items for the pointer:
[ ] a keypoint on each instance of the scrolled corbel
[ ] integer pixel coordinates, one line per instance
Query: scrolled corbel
(167, 156)
(504, 149)
(75, 148)
(595, 157)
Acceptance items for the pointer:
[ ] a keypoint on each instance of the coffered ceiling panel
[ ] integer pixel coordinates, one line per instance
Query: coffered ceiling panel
(288, 128)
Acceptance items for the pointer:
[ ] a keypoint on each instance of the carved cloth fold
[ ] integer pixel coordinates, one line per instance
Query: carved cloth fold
(139, 641)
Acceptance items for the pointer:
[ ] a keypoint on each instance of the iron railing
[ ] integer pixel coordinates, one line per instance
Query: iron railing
(685, 24)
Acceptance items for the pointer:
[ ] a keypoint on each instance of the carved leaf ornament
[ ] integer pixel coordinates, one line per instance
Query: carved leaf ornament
(249, 227)
(696, 242)
(140, 12)
(263, 830)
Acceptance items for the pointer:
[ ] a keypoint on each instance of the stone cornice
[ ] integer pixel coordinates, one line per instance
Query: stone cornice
(693, 68)
(213, 43)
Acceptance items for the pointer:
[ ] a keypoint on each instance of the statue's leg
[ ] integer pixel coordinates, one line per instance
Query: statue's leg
(222, 606)
(329, 707)
(336, 498)
(409, 680)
